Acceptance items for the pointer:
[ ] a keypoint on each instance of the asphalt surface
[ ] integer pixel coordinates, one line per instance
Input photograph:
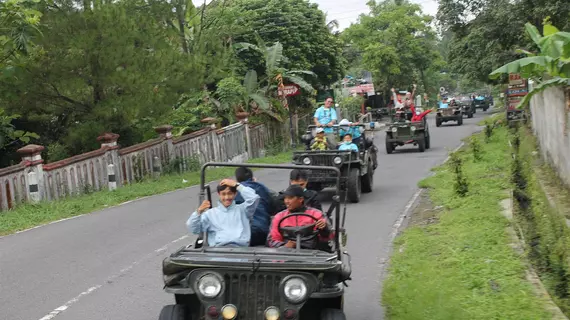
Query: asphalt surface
(107, 265)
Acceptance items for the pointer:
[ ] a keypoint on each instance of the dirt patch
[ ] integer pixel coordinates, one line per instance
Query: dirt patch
(425, 212)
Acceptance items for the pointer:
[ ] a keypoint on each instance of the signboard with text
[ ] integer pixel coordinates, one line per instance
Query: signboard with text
(289, 90)
(518, 88)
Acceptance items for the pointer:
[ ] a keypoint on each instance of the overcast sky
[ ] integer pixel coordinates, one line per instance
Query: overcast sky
(347, 11)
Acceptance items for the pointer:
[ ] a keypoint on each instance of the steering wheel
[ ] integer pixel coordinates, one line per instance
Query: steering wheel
(307, 232)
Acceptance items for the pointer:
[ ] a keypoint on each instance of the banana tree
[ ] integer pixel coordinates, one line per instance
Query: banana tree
(550, 67)
(261, 89)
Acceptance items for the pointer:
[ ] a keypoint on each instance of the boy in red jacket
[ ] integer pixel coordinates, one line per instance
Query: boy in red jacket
(295, 202)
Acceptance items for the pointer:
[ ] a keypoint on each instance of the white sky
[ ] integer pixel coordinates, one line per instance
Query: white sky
(347, 11)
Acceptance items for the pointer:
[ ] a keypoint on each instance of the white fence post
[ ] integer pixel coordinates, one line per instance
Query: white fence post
(156, 167)
(33, 187)
(112, 178)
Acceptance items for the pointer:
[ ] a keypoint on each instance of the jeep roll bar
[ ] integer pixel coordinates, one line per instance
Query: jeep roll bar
(205, 191)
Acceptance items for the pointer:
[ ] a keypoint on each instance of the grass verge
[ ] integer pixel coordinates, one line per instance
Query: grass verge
(460, 265)
(27, 215)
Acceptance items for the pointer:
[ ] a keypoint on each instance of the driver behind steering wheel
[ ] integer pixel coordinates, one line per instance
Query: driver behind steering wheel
(295, 203)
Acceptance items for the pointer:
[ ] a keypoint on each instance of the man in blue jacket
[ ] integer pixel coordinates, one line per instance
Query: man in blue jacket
(228, 223)
(261, 216)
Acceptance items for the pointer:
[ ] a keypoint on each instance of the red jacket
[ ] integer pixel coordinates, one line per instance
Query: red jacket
(419, 117)
(275, 238)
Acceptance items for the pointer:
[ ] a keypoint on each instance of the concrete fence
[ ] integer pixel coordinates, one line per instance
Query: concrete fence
(110, 166)
(550, 113)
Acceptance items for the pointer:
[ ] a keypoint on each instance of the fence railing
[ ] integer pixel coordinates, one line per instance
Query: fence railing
(110, 167)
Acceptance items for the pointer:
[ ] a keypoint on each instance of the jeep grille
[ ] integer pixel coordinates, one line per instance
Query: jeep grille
(404, 131)
(251, 293)
(322, 160)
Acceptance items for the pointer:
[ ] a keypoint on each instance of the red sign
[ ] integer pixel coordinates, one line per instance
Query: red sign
(290, 90)
(363, 88)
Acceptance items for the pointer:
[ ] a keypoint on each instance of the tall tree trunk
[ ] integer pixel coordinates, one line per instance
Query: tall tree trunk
(181, 25)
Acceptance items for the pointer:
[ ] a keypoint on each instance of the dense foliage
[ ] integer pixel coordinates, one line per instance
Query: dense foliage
(484, 34)
(397, 44)
(71, 70)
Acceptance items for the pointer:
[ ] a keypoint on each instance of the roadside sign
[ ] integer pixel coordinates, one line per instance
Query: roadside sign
(518, 88)
(289, 90)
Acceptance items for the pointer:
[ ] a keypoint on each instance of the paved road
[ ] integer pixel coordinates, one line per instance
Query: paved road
(106, 265)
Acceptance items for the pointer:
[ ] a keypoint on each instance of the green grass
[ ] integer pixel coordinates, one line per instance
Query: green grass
(462, 267)
(25, 216)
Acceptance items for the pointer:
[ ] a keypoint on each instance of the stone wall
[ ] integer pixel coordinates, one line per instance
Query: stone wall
(550, 112)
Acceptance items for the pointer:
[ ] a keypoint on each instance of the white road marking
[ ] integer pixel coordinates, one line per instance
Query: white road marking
(109, 280)
(64, 307)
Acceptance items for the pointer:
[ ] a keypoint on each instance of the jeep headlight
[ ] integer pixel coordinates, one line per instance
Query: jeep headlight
(337, 160)
(306, 160)
(394, 129)
(295, 290)
(210, 285)
(413, 128)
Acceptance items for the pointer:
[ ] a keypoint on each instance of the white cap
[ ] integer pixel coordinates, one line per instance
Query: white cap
(344, 122)
(319, 130)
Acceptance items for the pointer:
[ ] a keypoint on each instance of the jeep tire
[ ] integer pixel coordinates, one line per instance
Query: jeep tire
(367, 180)
(389, 145)
(174, 312)
(421, 143)
(332, 314)
(353, 184)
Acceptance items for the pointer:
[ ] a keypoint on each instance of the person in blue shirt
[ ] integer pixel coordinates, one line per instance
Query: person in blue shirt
(228, 223)
(325, 116)
(261, 216)
(444, 104)
(347, 143)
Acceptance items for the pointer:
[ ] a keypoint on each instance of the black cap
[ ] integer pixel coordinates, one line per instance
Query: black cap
(294, 191)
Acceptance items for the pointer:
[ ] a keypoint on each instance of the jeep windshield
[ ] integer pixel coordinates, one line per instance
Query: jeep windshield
(202, 252)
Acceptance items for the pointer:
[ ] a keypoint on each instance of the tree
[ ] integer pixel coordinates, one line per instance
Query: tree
(19, 23)
(396, 43)
(486, 33)
(550, 67)
(274, 76)
(302, 30)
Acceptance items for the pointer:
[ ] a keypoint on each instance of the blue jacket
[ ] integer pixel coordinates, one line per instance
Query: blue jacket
(226, 225)
(350, 146)
(261, 218)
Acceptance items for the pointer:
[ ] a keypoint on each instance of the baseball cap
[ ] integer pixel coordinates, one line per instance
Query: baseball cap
(319, 130)
(294, 191)
(344, 122)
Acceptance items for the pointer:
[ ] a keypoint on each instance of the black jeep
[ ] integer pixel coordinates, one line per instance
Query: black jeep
(357, 168)
(256, 283)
